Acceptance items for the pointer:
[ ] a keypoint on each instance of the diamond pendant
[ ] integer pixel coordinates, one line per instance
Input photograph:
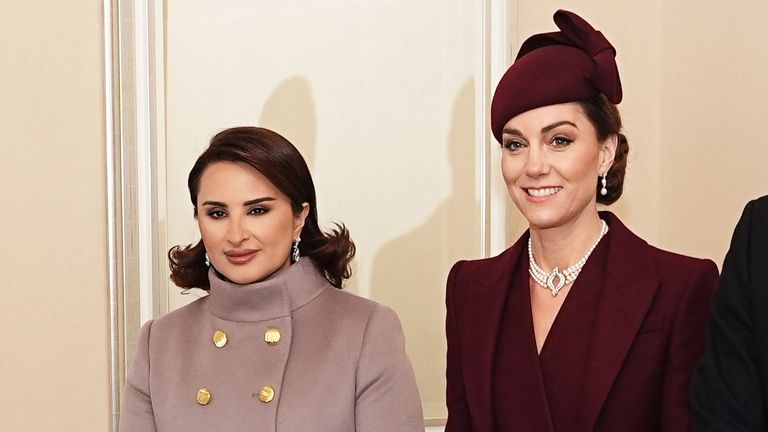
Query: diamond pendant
(555, 288)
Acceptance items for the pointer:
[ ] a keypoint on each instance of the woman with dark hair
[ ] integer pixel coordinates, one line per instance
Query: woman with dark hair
(275, 346)
(580, 325)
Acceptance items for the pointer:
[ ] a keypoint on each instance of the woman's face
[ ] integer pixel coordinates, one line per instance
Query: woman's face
(247, 224)
(551, 161)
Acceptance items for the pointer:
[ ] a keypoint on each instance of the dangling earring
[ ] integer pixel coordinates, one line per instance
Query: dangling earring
(295, 250)
(604, 190)
(207, 260)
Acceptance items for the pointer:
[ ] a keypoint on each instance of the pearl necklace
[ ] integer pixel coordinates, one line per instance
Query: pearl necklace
(547, 280)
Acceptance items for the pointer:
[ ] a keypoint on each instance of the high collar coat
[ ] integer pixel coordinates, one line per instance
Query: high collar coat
(339, 365)
(633, 323)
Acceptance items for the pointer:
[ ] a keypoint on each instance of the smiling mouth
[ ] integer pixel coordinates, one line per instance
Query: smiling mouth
(543, 192)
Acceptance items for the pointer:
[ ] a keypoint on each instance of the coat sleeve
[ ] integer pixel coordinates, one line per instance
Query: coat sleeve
(458, 411)
(726, 394)
(386, 396)
(136, 413)
(689, 323)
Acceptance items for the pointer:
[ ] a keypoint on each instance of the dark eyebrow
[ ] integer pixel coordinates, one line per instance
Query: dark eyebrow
(245, 204)
(214, 203)
(512, 131)
(257, 200)
(546, 129)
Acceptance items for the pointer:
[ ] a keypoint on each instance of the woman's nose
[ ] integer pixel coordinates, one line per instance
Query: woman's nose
(236, 234)
(536, 163)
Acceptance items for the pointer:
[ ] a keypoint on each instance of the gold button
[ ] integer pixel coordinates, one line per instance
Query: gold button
(272, 336)
(219, 338)
(266, 394)
(203, 396)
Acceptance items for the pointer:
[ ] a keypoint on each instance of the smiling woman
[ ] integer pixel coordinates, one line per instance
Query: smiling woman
(584, 325)
(275, 345)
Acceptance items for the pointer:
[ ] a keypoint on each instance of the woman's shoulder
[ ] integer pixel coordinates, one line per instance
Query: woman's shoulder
(667, 262)
(505, 260)
(677, 265)
(671, 258)
(684, 271)
(182, 317)
(353, 305)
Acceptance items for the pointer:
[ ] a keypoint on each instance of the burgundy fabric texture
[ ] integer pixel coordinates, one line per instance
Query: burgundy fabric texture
(573, 64)
(619, 356)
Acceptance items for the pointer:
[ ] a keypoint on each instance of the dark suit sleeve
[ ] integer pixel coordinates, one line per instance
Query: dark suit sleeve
(689, 322)
(726, 390)
(458, 411)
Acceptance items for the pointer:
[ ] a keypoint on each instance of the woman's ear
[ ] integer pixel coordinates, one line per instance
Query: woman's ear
(299, 219)
(608, 153)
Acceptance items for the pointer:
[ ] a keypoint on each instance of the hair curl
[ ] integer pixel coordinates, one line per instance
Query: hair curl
(281, 163)
(606, 119)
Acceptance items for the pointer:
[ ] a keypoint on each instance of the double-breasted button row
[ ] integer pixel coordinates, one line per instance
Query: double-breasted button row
(266, 395)
(272, 337)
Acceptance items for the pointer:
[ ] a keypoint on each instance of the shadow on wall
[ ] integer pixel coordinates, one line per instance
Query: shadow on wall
(409, 273)
(290, 111)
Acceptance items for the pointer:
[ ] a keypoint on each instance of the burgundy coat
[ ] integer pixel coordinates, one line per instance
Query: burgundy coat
(619, 356)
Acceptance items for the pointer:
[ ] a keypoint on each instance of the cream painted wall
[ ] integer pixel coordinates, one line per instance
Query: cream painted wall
(714, 100)
(53, 311)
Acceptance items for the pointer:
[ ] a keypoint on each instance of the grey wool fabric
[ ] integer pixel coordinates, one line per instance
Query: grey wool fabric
(339, 366)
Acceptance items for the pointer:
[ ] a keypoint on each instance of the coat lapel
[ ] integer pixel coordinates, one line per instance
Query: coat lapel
(484, 308)
(629, 286)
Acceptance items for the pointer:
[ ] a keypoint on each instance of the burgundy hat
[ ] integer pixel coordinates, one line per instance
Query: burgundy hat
(573, 64)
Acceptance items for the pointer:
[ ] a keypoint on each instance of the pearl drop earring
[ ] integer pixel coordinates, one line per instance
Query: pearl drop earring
(604, 190)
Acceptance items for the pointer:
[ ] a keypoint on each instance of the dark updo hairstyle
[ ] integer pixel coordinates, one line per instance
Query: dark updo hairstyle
(606, 119)
(281, 163)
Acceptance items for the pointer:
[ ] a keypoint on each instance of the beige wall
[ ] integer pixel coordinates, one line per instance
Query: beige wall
(714, 102)
(53, 309)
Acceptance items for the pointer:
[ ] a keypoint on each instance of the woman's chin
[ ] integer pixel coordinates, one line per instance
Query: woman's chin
(245, 277)
(543, 219)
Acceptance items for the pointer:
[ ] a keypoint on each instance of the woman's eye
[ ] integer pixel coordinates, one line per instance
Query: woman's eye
(257, 211)
(216, 214)
(512, 145)
(561, 141)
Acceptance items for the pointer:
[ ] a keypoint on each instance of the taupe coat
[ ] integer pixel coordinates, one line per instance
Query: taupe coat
(340, 364)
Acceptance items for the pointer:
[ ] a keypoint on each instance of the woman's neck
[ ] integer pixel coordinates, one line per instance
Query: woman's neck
(563, 245)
